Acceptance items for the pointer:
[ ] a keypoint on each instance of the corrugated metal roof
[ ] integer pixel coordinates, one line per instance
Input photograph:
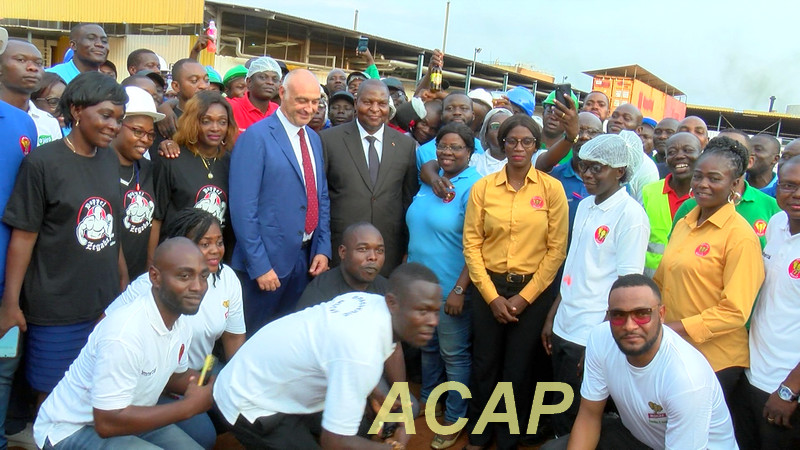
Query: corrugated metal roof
(744, 112)
(637, 72)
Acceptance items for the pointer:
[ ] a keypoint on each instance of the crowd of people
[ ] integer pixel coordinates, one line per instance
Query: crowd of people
(327, 241)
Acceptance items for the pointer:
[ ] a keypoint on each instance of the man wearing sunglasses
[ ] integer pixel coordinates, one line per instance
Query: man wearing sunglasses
(665, 391)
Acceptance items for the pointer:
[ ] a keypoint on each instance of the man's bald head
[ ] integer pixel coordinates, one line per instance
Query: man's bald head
(625, 117)
(588, 119)
(697, 127)
(589, 126)
(791, 150)
(299, 96)
(173, 249)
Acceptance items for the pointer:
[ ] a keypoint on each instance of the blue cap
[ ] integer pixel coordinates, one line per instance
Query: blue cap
(649, 121)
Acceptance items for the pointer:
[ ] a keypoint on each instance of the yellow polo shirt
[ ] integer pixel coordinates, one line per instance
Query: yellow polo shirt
(709, 277)
(521, 232)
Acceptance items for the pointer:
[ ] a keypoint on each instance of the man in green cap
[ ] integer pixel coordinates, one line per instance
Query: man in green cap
(234, 81)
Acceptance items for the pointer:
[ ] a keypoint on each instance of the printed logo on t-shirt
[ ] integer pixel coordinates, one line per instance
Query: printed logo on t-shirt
(702, 249)
(658, 416)
(794, 269)
(95, 230)
(600, 234)
(25, 144)
(225, 305)
(139, 208)
(347, 305)
(537, 202)
(212, 199)
(760, 227)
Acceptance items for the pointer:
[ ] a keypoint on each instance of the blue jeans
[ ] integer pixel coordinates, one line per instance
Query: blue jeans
(168, 437)
(7, 369)
(199, 427)
(447, 357)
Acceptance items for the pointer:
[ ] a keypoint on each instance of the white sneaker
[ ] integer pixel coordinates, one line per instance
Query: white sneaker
(23, 439)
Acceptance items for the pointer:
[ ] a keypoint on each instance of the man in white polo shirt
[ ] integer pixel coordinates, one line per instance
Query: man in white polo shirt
(21, 71)
(665, 391)
(609, 239)
(107, 398)
(326, 358)
(766, 414)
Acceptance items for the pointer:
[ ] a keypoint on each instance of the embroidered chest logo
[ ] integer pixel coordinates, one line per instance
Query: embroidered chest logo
(95, 230)
(226, 304)
(702, 249)
(760, 227)
(600, 234)
(25, 145)
(537, 202)
(139, 208)
(658, 416)
(212, 200)
(794, 269)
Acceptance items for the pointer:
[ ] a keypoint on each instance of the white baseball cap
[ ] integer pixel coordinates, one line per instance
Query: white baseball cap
(140, 103)
(3, 39)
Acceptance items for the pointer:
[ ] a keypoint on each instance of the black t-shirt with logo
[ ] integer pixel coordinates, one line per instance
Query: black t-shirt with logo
(138, 204)
(183, 182)
(73, 203)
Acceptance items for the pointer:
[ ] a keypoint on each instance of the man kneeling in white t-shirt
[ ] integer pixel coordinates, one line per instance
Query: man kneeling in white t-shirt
(107, 399)
(326, 358)
(665, 390)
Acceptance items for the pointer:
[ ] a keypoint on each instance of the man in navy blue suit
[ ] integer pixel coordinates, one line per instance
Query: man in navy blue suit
(279, 205)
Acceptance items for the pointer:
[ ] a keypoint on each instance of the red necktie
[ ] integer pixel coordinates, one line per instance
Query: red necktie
(312, 211)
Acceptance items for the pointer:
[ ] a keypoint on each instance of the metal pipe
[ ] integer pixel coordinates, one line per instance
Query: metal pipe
(468, 79)
(355, 21)
(446, 20)
(505, 81)
(420, 65)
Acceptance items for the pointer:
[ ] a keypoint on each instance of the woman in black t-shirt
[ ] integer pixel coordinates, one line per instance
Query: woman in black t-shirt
(198, 177)
(65, 262)
(136, 177)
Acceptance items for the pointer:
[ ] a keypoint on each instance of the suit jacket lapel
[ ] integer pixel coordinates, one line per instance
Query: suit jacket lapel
(280, 136)
(352, 140)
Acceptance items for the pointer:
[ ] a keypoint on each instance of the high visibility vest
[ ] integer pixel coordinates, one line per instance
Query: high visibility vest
(656, 205)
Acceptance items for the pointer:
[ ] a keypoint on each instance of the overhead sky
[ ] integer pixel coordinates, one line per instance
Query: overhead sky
(731, 54)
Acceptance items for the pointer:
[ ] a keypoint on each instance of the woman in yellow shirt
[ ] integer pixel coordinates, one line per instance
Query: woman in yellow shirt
(515, 239)
(712, 267)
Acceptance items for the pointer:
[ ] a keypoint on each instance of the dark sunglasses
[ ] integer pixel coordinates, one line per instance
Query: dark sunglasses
(640, 316)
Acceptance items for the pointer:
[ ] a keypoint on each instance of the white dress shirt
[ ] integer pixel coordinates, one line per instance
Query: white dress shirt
(365, 143)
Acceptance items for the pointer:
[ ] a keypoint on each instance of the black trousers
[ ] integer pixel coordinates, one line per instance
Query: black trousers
(566, 356)
(613, 436)
(280, 431)
(752, 429)
(505, 352)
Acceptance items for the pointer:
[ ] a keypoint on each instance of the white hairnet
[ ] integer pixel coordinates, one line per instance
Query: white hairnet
(608, 149)
(263, 64)
(635, 151)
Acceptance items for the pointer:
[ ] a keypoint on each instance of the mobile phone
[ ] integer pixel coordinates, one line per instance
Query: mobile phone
(362, 44)
(562, 89)
(9, 344)
(207, 366)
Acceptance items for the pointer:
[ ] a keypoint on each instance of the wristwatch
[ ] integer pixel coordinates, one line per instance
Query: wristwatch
(458, 290)
(786, 394)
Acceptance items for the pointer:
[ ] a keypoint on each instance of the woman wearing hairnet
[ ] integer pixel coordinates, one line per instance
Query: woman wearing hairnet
(609, 240)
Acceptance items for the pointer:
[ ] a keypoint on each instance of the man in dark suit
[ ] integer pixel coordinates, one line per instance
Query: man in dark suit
(372, 173)
(279, 205)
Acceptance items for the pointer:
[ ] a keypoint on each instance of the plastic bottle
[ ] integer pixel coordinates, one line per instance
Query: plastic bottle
(211, 32)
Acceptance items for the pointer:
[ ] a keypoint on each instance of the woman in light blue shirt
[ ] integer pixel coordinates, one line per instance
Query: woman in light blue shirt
(435, 228)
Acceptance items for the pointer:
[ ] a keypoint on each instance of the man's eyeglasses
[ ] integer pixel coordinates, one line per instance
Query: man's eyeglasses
(527, 143)
(618, 318)
(594, 168)
(140, 133)
(788, 188)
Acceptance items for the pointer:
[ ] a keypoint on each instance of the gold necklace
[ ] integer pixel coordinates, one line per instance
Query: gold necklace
(208, 168)
(71, 146)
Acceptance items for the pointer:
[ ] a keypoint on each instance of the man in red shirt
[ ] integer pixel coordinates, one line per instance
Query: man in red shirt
(263, 80)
